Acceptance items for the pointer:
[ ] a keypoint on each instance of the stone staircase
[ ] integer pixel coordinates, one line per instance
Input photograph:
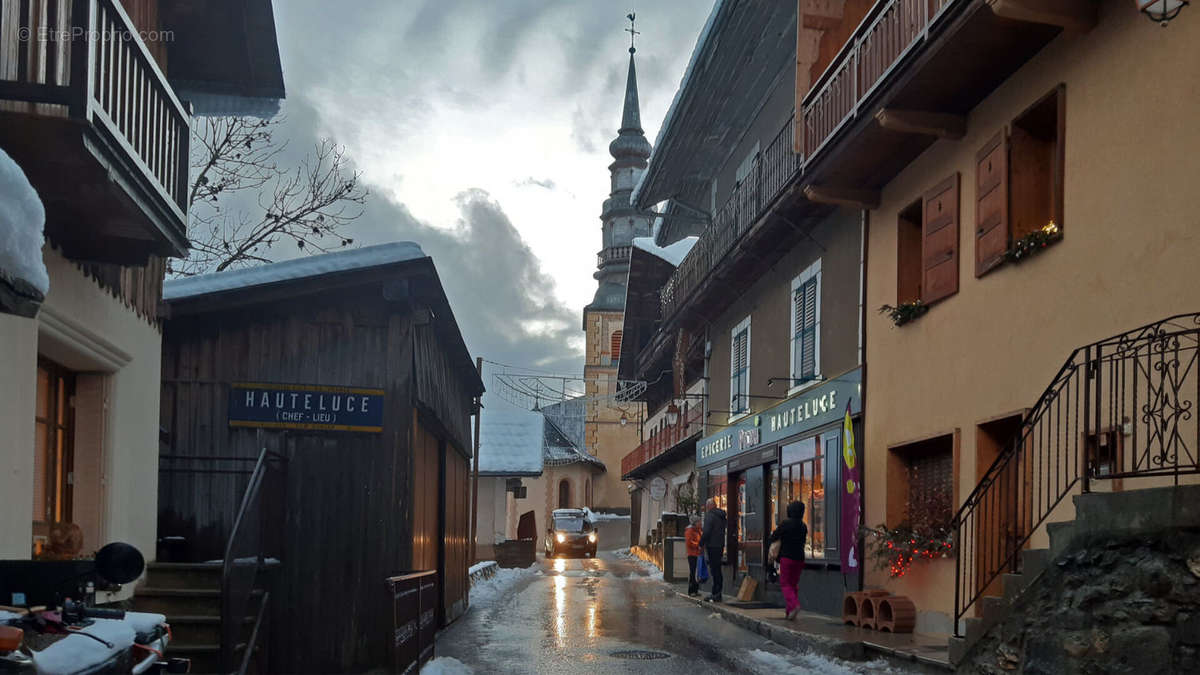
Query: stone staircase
(1098, 514)
(189, 595)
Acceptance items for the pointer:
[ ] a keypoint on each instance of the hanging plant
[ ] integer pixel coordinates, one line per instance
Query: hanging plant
(905, 311)
(1033, 243)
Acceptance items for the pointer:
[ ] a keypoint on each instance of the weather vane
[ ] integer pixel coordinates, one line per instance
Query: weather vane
(632, 33)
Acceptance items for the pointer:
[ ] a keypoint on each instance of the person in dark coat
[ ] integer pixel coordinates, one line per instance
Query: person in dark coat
(792, 533)
(712, 541)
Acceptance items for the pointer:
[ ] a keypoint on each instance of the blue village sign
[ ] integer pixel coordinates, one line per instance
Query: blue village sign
(812, 408)
(304, 406)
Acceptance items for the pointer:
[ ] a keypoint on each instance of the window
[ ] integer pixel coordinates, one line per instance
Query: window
(1019, 181)
(806, 324)
(802, 480)
(920, 489)
(739, 368)
(616, 345)
(564, 494)
(53, 451)
(927, 245)
(747, 166)
(718, 486)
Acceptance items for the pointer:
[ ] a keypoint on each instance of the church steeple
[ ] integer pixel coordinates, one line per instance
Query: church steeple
(621, 221)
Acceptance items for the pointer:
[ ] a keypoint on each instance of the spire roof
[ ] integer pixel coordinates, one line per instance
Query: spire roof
(630, 142)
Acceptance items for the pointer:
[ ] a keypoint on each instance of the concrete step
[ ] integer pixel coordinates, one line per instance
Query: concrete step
(1014, 585)
(992, 610)
(184, 575)
(1033, 562)
(1061, 535)
(182, 601)
(958, 650)
(203, 629)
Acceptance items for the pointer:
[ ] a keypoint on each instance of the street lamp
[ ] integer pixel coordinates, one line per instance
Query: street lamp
(672, 414)
(1161, 11)
(624, 419)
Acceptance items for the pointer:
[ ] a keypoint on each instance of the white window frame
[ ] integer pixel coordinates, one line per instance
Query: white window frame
(811, 272)
(743, 325)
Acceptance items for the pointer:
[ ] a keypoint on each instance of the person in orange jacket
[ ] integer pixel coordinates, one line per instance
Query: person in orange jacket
(691, 538)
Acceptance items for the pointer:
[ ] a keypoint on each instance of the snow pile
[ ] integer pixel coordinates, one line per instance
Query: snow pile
(22, 218)
(596, 516)
(672, 253)
(485, 592)
(769, 663)
(289, 270)
(444, 665)
(479, 567)
(79, 653)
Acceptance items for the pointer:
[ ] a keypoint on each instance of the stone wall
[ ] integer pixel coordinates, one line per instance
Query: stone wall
(1116, 604)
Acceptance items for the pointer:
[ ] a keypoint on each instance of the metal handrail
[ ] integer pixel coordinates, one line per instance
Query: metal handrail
(236, 593)
(1105, 392)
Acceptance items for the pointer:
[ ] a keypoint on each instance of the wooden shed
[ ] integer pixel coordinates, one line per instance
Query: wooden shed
(351, 369)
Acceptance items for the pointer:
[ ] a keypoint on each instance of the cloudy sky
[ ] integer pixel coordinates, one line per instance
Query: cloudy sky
(481, 128)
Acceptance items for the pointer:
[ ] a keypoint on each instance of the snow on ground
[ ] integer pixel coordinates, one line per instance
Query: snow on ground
(769, 663)
(444, 665)
(486, 591)
(22, 218)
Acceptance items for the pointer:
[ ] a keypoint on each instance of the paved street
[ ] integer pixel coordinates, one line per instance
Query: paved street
(579, 615)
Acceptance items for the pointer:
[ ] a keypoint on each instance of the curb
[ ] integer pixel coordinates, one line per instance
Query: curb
(486, 571)
(793, 640)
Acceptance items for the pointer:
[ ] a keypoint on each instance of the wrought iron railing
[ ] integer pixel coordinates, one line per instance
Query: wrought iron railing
(246, 558)
(85, 59)
(1121, 408)
(664, 440)
(890, 31)
(769, 176)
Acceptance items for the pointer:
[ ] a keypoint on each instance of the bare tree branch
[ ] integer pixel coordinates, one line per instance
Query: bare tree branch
(308, 205)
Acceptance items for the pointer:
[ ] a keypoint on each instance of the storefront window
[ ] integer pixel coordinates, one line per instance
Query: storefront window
(802, 481)
(718, 488)
(743, 512)
(773, 494)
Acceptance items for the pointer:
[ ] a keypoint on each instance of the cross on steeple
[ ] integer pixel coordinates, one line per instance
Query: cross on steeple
(632, 33)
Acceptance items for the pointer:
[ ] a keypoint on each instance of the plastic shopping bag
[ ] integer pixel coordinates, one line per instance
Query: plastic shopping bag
(701, 569)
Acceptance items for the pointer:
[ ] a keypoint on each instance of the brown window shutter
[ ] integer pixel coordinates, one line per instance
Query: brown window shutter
(939, 249)
(991, 204)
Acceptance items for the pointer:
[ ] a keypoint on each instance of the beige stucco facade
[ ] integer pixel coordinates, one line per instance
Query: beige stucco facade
(604, 436)
(115, 355)
(1128, 257)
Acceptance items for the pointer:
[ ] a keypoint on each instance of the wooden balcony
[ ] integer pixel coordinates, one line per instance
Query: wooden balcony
(906, 77)
(88, 114)
(772, 172)
(663, 442)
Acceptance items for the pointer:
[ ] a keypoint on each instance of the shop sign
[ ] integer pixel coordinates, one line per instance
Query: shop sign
(815, 407)
(306, 407)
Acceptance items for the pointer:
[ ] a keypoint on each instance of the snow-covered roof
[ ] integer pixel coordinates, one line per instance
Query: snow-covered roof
(290, 270)
(672, 253)
(683, 83)
(511, 441)
(22, 219)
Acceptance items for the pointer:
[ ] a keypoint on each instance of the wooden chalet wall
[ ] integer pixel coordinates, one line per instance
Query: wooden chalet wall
(359, 506)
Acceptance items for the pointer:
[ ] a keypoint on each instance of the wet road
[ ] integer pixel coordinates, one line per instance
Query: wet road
(579, 615)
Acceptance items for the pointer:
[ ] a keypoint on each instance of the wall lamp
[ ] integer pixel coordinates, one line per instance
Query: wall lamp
(1161, 11)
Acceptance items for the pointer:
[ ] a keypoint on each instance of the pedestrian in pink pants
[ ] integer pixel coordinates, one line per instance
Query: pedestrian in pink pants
(791, 535)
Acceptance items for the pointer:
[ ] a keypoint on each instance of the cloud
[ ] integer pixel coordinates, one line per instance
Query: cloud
(530, 181)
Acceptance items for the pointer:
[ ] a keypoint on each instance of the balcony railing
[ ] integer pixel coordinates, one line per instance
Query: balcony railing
(771, 173)
(663, 441)
(83, 61)
(613, 254)
(891, 30)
